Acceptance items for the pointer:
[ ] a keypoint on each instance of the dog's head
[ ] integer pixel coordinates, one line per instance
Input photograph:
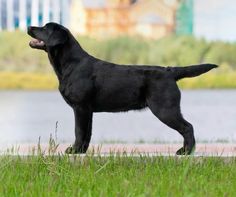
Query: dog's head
(50, 35)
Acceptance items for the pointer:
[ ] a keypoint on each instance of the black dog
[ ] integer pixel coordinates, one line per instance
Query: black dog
(91, 85)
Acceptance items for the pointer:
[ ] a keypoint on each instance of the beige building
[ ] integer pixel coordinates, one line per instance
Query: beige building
(107, 18)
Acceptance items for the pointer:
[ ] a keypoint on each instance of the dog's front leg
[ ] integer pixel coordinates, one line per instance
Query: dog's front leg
(83, 129)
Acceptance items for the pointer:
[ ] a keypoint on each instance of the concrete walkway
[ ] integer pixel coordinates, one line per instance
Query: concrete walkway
(220, 150)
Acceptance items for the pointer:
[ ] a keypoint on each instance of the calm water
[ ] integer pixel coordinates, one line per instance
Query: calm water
(24, 116)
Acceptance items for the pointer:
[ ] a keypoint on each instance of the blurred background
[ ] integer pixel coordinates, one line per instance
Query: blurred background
(151, 32)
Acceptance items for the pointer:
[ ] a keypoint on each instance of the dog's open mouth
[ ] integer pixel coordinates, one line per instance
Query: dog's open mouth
(35, 43)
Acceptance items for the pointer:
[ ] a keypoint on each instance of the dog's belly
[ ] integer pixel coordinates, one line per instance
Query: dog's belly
(119, 89)
(119, 101)
(118, 107)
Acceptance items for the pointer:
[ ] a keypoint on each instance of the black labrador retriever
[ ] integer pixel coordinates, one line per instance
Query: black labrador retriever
(91, 85)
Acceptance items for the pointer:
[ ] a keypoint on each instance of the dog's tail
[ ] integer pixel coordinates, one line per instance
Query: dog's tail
(191, 71)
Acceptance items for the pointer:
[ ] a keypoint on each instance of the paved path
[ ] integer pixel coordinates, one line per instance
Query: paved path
(223, 150)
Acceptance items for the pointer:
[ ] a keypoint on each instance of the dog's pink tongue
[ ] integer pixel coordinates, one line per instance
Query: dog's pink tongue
(36, 42)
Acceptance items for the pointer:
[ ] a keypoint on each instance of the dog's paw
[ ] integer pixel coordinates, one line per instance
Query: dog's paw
(74, 150)
(69, 150)
(185, 151)
(181, 151)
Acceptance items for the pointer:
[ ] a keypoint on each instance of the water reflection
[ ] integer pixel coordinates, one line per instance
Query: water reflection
(24, 116)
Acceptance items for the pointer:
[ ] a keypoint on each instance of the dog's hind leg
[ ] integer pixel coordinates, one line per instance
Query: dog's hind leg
(168, 111)
(83, 130)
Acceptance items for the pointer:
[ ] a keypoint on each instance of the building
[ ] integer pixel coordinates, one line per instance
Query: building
(148, 18)
(154, 19)
(96, 18)
(18, 14)
(184, 18)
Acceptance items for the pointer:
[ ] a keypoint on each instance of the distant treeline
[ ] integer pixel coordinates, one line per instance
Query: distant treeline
(16, 55)
(24, 68)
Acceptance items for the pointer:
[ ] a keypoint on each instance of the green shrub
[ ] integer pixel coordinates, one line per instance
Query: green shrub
(17, 59)
(16, 55)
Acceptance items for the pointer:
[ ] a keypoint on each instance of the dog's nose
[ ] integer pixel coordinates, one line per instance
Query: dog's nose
(29, 28)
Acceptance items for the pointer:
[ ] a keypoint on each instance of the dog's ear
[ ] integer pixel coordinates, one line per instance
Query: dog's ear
(58, 37)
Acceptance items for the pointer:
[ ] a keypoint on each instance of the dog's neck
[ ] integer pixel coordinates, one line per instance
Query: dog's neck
(61, 57)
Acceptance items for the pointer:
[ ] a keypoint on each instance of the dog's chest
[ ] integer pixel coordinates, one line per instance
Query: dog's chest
(75, 92)
(66, 94)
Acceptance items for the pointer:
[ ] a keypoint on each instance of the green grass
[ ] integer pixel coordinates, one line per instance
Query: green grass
(28, 81)
(117, 176)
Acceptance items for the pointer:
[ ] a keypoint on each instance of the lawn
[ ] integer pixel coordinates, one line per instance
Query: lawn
(117, 176)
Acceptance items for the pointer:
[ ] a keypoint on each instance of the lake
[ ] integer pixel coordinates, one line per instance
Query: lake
(26, 115)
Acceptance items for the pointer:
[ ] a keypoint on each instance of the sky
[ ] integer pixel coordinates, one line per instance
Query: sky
(215, 19)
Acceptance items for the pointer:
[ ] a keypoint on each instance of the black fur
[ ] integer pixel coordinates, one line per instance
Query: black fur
(91, 85)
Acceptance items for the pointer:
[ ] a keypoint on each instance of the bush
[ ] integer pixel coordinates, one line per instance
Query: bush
(24, 68)
(16, 55)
